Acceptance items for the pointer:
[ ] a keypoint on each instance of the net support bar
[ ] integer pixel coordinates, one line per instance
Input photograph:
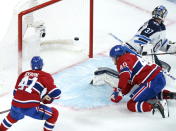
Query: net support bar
(20, 34)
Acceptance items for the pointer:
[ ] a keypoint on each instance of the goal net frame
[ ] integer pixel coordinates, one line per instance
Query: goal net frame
(40, 6)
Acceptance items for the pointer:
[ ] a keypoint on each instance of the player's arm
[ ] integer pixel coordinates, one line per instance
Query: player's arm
(158, 38)
(123, 81)
(124, 69)
(49, 97)
(123, 85)
(52, 93)
(168, 46)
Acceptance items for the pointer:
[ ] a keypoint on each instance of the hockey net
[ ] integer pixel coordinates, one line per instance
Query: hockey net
(62, 21)
(50, 29)
(62, 28)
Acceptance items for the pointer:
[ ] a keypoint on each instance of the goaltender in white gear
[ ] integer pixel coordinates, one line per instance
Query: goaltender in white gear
(151, 36)
(153, 32)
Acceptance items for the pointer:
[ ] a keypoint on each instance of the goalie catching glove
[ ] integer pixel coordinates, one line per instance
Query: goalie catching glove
(116, 95)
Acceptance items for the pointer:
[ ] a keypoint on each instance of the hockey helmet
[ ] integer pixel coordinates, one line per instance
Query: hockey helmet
(119, 50)
(116, 51)
(36, 63)
(160, 12)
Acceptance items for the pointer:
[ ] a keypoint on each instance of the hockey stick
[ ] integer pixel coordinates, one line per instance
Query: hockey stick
(165, 72)
(2, 112)
(115, 37)
(145, 53)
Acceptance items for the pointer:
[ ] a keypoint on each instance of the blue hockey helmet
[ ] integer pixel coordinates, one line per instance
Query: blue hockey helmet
(36, 63)
(119, 50)
(160, 12)
(116, 51)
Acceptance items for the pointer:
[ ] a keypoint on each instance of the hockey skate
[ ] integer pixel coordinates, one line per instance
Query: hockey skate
(161, 107)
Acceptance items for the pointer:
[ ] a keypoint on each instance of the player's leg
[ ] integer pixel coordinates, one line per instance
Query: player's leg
(166, 94)
(50, 123)
(139, 106)
(139, 98)
(13, 116)
(42, 112)
(7, 123)
(138, 101)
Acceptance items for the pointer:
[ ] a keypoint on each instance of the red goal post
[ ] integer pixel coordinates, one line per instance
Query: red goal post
(43, 5)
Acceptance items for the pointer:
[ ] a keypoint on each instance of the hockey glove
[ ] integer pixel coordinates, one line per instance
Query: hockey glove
(116, 95)
(46, 99)
(170, 42)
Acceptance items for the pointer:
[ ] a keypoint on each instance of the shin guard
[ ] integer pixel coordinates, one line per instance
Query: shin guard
(139, 106)
(50, 123)
(7, 123)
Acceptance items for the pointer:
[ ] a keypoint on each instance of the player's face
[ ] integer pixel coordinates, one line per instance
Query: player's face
(158, 20)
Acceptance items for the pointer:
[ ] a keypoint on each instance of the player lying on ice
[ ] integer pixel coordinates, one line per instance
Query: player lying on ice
(144, 82)
(27, 100)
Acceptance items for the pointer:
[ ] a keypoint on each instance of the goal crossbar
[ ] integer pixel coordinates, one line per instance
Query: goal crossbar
(43, 5)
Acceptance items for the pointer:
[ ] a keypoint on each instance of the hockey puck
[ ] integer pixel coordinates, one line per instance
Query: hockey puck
(76, 38)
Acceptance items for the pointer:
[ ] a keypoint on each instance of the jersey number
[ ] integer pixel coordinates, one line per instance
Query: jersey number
(148, 30)
(24, 83)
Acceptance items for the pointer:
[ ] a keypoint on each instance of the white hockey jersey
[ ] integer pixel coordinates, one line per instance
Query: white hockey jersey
(151, 37)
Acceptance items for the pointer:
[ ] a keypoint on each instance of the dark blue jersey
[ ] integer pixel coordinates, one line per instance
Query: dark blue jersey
(150, 33)
(151, 28)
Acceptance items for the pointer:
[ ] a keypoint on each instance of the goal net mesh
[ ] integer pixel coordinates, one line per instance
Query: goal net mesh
(62, 24)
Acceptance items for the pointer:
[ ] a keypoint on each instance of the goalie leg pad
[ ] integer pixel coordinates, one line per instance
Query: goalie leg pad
(98, 80)
(105, 75)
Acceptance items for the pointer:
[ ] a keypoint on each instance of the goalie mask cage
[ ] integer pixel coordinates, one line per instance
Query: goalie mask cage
(38, 7)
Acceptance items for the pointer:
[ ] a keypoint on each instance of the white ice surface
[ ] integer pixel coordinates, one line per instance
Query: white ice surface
(86, 108)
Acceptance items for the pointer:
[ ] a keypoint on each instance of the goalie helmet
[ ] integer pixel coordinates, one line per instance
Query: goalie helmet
(36, 63)
(160, 12)
(119, 50)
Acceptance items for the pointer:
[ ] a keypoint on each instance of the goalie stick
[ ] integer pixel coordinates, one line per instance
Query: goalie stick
(102, 70)
(115, 37)
(165, 72)
(144, 53)
(5, 111)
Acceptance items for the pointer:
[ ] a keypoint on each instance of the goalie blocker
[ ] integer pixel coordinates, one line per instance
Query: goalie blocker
(105, 75)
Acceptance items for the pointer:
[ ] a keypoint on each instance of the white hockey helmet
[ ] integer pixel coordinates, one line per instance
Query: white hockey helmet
(160, 12)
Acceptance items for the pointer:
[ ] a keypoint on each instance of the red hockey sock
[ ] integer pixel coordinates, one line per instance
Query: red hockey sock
(139, 106)
(7, 123)
(165, 94)
(50, 123)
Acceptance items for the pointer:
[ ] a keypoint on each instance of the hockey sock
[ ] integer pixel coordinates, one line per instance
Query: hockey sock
(166, 94)
(50, 123)
(7, 123)
(139, 106)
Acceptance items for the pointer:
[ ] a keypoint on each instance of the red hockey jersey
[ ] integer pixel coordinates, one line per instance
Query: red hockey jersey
(133, 70)
(29, 87)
